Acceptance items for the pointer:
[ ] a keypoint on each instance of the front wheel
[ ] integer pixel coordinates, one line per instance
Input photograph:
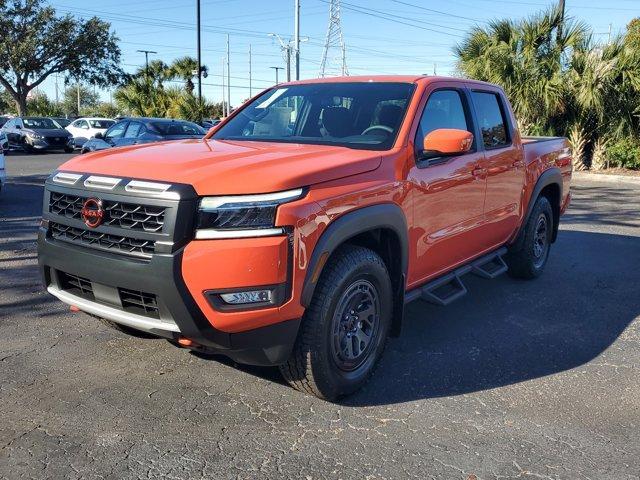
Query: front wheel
(344, 330)
(69, 150)
(529, 260)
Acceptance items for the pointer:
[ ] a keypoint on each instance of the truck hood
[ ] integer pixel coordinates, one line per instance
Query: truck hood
(228, 167)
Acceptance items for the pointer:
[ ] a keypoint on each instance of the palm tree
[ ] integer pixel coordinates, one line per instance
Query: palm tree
(186, 68)
(559, 84)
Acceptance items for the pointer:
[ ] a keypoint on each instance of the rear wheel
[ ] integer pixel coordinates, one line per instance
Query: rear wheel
(529, 260)
(344, 330)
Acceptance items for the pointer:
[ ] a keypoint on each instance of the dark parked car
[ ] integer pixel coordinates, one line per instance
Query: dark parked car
(37, 134)
(133, 131)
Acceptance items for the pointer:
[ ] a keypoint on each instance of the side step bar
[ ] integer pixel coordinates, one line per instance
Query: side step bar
(449, 288)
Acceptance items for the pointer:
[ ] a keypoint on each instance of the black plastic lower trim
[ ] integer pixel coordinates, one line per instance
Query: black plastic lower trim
(162, 276)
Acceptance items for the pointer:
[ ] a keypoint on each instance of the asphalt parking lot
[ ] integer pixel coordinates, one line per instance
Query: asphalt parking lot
(517, 380)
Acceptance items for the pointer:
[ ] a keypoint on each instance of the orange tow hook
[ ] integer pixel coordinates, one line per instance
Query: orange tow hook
(186, 342)
(74, 309)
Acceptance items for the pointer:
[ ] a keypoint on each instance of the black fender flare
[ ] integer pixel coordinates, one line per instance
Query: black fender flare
(548, 177)
(381, 216)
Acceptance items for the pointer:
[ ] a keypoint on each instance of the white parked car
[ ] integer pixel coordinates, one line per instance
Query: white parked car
(4, 142)
(3, 173)
(83, 129)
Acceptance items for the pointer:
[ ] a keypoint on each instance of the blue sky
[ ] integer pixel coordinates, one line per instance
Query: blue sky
(382, 36)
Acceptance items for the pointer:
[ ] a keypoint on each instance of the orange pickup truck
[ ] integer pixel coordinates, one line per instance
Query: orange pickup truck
(296, 231)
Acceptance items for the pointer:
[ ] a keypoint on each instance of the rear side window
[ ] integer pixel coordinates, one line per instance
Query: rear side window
(133, 130)
(491, 119)
(444, 109)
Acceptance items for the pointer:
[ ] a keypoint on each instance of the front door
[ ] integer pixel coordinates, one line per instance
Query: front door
(448, 193)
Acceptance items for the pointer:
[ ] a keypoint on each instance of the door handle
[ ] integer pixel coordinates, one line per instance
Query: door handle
(477, 171)
(517, 164)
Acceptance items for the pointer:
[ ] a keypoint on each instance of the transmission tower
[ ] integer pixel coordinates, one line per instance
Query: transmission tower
(334, 56)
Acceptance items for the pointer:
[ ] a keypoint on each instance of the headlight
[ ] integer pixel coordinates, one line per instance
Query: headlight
(240, 216)
(34, 136)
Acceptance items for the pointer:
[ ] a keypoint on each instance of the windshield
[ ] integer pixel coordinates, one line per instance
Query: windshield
(357, 115)
(179, 128)
(103, 124)
(63, 122)
(40, 123)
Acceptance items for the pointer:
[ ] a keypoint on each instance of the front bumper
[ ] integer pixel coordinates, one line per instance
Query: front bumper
(43, 144)
(161, 275)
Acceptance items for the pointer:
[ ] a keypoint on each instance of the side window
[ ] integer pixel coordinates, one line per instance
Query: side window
(117, 131)
(491, 119)
(444, 109)
(10, 124)
(133, 130)
(84, 124)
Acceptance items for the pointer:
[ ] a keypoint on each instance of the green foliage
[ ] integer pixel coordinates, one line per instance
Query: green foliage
(88, 101)
(39, 105)
(145, 93)
(107, 110)
(559, 83)
(624, 153)
(36, 43)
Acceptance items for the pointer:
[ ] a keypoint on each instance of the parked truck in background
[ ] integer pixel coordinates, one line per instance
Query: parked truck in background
(297, 230)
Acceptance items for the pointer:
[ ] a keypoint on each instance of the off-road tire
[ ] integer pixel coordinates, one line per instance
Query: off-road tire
(312, 367)
(523, 262)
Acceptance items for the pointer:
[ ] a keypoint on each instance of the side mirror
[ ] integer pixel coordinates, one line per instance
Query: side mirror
(447, 141)
(98, 135)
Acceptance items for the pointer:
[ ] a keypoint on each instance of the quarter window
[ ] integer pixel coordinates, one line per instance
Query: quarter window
(491, 119)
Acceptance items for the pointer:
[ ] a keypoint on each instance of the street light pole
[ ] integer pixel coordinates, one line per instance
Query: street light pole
(296, 36)
(228, 77)
(199, 53)
(250, 86)
(276, 69)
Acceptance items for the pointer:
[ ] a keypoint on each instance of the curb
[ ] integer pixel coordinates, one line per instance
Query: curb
(603, 177)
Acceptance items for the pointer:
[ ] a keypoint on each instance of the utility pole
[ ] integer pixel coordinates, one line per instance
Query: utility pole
(199, 53)
(296, 36)
(609, 37)
(286, 48)
(224, 102)
(78, 95)
(559, 32)
(334, 48)
(250, 90)
(146, 59)
(228, 77)
(57, 101)
(276, 69)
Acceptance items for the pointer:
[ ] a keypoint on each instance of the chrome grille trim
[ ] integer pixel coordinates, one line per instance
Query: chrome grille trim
(102, 183)
(66, 178)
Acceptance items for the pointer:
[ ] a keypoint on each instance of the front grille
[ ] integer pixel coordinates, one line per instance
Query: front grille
(129, 216)
(103, 241)
(141, 303)
(75, 284)
(61, 141)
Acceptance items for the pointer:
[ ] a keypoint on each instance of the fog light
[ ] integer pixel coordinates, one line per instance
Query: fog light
(239, 298)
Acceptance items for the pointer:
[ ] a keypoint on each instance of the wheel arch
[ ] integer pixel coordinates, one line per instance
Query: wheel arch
(382, 228)
(549, 185)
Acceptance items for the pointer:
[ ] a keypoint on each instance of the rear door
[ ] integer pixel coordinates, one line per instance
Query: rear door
(115, 133)
(448, 191)
(503, 164)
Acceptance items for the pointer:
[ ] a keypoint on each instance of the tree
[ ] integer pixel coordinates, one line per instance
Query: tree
(559, 84)
(632, 37)
(183, 69)
(88, 100)
(40, 105)
(35, 43)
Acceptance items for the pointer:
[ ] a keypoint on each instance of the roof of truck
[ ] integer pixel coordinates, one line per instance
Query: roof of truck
(383, 78)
